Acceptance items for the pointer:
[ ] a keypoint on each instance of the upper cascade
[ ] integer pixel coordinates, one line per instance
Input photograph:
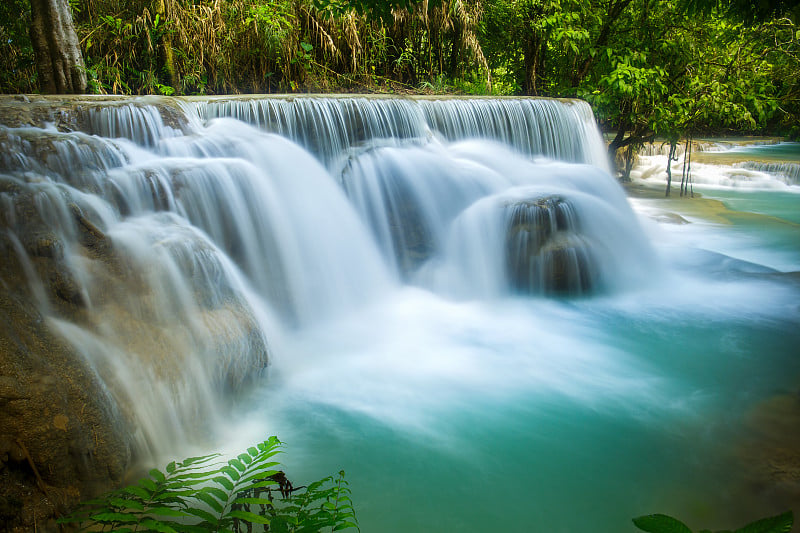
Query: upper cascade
(331, 126)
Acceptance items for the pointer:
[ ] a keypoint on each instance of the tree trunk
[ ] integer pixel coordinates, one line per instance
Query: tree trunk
(455, 50)
(534, 63)
(169, 58)
(673, 147)
(55, 44)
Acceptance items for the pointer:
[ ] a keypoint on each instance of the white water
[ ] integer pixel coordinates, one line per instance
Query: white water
(399, 349)
(747, 167)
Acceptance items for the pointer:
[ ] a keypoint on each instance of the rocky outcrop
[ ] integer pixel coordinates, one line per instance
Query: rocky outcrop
(61, 440)
(545, 252)
(66, 431)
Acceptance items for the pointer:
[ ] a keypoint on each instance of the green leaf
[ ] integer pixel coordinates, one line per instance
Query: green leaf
(781, 523)
(237, 464)
(138, 491)
(107, 517)
(660, 523)
(230, 472)
(225, 482)
(262, 474)
(187, 528)
(157, 475)
(219, 494)
(125, 503)
(209, 500)
(205, 515)
(193, 476)
(174, 497)
(262, 483)
(199, 460)
(253, 501)
(250, 517)
(148, 484)
(171, 467)
(155, 525)
(165, 511)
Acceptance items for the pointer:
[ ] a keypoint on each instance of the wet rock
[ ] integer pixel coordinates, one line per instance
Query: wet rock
(90, 235)
(67, 289)
(61, 438)
(412, 238)
(41, 378)
(567, 266)
(74, 112)
(46, 246)
(64, 435)
(545, 252)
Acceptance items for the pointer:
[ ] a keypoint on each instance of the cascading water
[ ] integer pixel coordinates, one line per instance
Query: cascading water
(329, 127)
(451, 294)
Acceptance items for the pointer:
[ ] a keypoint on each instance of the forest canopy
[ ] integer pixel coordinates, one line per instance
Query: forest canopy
(648, 67)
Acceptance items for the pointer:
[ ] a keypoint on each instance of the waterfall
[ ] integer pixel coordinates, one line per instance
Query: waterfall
(788, 173)
(329, 127)
(171, 241)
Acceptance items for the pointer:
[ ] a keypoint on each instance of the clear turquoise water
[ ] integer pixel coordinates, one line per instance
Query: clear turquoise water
(546, 415)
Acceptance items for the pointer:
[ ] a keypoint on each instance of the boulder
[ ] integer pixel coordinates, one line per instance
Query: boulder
(545, 251)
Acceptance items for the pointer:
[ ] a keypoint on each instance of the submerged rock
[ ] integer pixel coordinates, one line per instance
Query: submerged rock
(770, 453)
(409, 236)
(412, 237)
(545, 252)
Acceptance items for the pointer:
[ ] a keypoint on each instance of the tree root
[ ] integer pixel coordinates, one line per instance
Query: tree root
(39, 480)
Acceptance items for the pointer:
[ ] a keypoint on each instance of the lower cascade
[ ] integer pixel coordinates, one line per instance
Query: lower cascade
(166, 259)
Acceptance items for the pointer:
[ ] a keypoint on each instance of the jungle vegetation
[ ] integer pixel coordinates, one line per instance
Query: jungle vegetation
(662, 68)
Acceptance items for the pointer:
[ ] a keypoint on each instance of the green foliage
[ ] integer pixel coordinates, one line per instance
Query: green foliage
(324, 504)
(743, 10)
(380, 9)
(660, 523)
(648, 67)
(17, 72)
(202, 494)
